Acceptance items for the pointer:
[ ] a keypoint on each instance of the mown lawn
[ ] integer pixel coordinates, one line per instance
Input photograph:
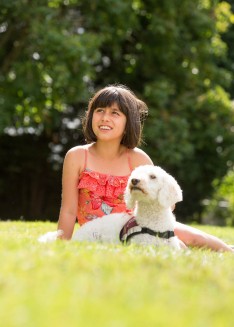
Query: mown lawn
(69, 284)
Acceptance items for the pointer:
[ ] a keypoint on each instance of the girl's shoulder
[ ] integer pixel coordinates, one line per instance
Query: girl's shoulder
(76, 152)
(75, 157)
(139, 157)
(79, 149)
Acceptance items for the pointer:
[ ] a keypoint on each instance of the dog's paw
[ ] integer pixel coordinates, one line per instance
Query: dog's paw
(50, 236)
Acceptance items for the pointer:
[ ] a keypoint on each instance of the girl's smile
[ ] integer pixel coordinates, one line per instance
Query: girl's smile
(104, 127)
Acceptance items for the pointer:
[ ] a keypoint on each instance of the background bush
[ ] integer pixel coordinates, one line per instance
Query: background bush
(220, 209)
(175, 55)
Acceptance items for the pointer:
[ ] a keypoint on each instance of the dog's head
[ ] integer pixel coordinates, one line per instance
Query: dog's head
(151, 183)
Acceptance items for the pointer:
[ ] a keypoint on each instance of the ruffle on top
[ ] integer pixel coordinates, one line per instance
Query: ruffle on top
(103, 185)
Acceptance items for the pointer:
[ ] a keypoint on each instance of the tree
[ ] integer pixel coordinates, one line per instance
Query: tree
(47, 62)
(172, 59)
(54, 54)
(228, 38)
(220, 209)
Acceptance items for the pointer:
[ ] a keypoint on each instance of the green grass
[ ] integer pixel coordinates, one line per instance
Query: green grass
(69, 284)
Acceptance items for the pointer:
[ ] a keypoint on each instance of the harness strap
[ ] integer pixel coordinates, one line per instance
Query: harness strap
(131, 229)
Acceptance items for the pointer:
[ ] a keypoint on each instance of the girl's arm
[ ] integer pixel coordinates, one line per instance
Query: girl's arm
(68, 210)
(194, 237)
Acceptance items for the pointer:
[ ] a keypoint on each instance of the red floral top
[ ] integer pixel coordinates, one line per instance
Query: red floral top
(99, 195)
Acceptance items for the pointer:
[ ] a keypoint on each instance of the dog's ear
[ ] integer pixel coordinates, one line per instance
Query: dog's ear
(130, 203)
(170, 192)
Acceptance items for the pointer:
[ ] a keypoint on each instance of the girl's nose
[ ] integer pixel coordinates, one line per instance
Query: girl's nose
(105, 116)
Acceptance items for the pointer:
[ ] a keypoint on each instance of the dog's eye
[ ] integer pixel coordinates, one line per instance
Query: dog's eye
(152, 177)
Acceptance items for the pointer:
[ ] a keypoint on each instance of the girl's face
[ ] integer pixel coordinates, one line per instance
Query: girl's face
(109, 123)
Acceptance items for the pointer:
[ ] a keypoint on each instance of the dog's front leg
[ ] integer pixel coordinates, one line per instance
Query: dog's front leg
(176, 243)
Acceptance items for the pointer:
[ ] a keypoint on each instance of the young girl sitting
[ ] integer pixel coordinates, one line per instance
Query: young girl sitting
(95, 175)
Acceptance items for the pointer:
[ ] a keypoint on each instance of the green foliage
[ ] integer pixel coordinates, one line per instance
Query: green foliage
(173, 54)
(47, 62)
(228, 38)
(66, 283)
(220, 209)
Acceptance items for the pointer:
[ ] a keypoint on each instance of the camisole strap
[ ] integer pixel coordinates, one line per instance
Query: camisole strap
(129, 160)
(86, 155)
(128, 157)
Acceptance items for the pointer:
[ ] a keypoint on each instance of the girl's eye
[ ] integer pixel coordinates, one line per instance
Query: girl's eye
(115, 113)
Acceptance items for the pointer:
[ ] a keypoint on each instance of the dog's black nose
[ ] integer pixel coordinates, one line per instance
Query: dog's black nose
(135, 181)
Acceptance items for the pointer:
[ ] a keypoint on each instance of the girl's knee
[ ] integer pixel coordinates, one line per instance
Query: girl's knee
(197, 240)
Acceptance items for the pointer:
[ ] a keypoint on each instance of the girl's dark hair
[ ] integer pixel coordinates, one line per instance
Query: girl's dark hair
(134, 109)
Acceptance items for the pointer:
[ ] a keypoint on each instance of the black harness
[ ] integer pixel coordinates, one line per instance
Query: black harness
(131, 228)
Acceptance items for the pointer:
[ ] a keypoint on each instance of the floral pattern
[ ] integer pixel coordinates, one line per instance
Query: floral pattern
(99, 195)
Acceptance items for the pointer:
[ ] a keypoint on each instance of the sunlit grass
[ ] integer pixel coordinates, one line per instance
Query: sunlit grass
(69, 284)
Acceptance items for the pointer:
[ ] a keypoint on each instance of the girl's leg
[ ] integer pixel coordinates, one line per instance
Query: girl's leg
(194, 237)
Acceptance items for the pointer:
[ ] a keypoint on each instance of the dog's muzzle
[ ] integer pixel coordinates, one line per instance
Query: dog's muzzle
(134, 185)
(135, 181)
(135, 188)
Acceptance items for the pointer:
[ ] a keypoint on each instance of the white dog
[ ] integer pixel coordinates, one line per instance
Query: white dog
(153, 193)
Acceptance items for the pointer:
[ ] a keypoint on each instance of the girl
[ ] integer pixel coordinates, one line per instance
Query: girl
(95, 175)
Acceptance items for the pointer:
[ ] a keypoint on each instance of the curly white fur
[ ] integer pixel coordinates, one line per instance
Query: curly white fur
(152, 191)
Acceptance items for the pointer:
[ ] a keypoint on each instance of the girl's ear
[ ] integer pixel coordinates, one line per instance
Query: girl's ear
(170, 193)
